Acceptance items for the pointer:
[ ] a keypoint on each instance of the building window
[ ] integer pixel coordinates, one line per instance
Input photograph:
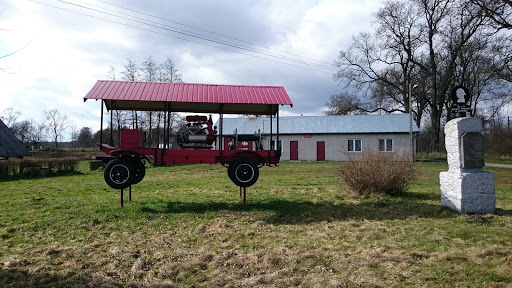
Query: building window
(386, 145)
(354, 145)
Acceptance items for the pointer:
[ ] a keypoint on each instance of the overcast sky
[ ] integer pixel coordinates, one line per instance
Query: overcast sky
(67, 52)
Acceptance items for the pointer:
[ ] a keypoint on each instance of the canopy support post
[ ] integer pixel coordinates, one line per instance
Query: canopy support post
(165, 125)
(101, 126)
(271, 135)
(169, 128)
(221, 129)
(278, 145)
(111, 127)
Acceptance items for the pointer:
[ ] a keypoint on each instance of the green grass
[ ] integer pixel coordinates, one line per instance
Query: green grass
(499, 160)
(186, 227)
(440, 157)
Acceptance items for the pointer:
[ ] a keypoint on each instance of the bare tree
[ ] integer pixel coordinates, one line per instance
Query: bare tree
(118, 116)
(417, 42)
(150, 72)
(382, 64)
(149, 69)
(343, 104)
(499, 11)
(131, 73)
(169, 73)
(57, 123)
(37, 134)
(479, 69)
(10, 116)
(112, 73)
(22, 129)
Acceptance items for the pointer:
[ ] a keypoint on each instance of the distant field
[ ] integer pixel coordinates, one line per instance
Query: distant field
(185, 227)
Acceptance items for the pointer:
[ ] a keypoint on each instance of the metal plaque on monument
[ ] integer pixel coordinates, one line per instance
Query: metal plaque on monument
(472, 150)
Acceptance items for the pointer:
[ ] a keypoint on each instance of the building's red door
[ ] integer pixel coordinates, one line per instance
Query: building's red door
(294, 150)
(320, 150)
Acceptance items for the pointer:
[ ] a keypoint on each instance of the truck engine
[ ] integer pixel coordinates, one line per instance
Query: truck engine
(198, 133)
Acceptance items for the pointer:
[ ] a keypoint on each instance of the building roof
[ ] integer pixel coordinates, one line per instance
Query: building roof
(189, 97)
(10, 146)
(339, 124)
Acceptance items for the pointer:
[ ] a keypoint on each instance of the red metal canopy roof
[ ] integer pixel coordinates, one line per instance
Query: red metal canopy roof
(188, 97)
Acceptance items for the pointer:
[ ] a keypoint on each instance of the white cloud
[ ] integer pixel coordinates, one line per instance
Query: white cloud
(69, 52)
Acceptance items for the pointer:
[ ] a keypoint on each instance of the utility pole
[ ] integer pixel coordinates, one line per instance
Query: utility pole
(411, 142)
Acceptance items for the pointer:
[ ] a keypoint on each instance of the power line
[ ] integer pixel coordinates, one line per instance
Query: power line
(298, 62)
(195, 35)
(168, 35)
(211, 32)
(12, 53)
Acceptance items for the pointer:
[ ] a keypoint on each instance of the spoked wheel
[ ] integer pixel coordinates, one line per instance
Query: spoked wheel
(243, 172)
(119, 173)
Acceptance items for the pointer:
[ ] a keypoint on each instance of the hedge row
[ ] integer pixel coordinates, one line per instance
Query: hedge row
(35, 167)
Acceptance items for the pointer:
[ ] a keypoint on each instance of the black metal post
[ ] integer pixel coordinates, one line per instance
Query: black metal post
(101, 126)
(111, 127)
(277, 135)
(243, 194)
(221, 129)
(169, 128)
(165, 125)
(278, 145)
(271, 132)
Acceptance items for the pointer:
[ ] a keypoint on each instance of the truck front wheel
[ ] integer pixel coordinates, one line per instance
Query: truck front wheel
(243, 172)
(119, 173)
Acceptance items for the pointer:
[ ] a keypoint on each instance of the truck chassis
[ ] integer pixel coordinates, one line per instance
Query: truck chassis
(125, 165)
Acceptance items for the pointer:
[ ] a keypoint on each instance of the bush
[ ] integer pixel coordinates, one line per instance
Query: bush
(378, 173)
(30, 167)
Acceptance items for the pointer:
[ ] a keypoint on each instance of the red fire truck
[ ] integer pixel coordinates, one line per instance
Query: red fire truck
(125, 165)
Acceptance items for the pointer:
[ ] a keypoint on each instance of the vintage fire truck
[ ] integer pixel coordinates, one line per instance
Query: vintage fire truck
(125, 165)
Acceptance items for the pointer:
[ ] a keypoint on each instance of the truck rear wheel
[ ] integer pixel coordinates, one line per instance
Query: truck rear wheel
(140, 171)
(119, 173)
(243, 172)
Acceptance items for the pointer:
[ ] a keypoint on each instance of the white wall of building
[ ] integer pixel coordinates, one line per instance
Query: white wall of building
(336, 145)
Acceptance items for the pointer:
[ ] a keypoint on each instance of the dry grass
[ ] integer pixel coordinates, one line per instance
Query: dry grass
(296, 230)
(377, 174)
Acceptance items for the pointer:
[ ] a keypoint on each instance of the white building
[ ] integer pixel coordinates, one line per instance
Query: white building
(328, 138)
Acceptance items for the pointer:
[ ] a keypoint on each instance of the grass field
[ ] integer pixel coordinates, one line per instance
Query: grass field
(186, 228)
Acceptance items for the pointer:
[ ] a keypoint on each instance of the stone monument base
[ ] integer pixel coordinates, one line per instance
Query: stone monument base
(468, 192)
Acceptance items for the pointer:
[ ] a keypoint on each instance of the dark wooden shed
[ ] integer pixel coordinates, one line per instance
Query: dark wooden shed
(10, 146)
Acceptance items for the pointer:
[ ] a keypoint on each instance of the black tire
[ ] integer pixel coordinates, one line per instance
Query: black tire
(230, 172)
(243, 172)
(140, 171)
(119, 173)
